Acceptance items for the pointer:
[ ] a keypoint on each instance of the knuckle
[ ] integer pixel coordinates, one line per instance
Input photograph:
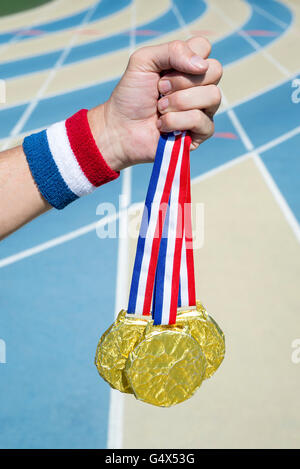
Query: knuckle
(168, 120)
(216, 95)
(204, 126)
(207, 44)
(132, 57)
(211, 129)
(217, 67)
(176, 46)
(180, 82)
(208, 128)
(178, 100)
(137, 55)
(197, 117)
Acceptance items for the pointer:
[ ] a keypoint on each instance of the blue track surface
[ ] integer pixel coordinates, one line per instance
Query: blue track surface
(105, 8)
(164, 24)
(55, 305)
(68, 103)
(283, 162)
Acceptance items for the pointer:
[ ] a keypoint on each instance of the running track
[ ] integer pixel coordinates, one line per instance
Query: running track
(48, 318)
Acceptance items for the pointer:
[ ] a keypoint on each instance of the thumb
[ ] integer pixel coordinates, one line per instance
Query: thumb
(175, 55)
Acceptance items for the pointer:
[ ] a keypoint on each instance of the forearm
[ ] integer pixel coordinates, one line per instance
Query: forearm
(72, 158)
(20, 199)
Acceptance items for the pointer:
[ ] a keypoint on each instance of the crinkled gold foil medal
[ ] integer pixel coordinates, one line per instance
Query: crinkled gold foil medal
(161, 365)
(166, 367)
(207, 333)
(114, 347)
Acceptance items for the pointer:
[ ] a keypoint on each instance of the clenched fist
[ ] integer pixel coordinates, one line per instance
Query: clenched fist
(172, 86)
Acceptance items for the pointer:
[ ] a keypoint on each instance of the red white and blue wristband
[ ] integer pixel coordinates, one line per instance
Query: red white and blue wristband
(65, 161)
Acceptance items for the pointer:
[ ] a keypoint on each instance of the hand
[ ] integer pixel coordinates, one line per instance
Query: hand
(128, 125)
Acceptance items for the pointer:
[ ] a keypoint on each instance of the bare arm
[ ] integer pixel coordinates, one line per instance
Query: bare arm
(20, 199)
(126, 128)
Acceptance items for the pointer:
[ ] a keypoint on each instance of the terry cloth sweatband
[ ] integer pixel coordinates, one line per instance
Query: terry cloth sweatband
(65, 161)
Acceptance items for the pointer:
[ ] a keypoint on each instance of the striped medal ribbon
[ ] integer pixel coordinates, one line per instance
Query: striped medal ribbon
(164, 263)
(175, 279)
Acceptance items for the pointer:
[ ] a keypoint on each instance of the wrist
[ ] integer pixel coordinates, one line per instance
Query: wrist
(106, 137)
(65, 160)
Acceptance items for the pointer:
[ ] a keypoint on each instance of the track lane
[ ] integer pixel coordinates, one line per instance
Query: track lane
(54, 271)
(102, 27)
(105, 8)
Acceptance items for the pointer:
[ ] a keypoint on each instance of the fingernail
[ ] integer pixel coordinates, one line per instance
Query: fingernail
(165, 86)
(163, 104)
(198, 62)
(159, 123)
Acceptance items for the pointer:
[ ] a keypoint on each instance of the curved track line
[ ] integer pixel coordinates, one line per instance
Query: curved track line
(119, 63)
(45, 14)
(116, 401)
(33, 104)
(270, 144)
(68, 23)
(253, 43)
(111, 65)
(93, 226)
(101, 28)
(84, 52)
(241, 131)
(75, 75)
(57, 99)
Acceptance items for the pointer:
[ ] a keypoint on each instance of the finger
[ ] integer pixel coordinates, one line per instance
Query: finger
(202, 97)
(173, 81)
(200, 47)
(176, 55)
(201, 126)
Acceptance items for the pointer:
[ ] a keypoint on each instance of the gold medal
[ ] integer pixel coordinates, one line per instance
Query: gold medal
(152, 362)
(207, 333)
(160, 362)
(166, 367)
(114, 347)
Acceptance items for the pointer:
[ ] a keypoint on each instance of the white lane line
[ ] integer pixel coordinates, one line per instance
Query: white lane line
(221, 168)
(180, 19)
(233, 117)
(116, 405)
(22, 31)
(278, 140)
(261, 149)
(270, 17)
(116, 402)
(283, 205)
(93, 226)
(74, 90)
(35, 101)
(265, 147)
(263, 91)
(53, 5)
(58, 240)
(253, 43)
(78, 88)
(238, 126)
(81, 61)
(12, 41)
